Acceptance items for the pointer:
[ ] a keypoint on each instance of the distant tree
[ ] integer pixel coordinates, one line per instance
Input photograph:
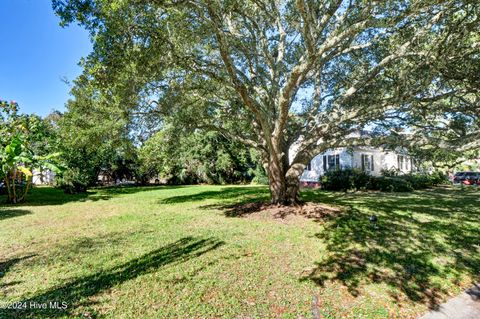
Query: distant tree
(181, 156)
(442, 159)
(270, 73)
(94, 139)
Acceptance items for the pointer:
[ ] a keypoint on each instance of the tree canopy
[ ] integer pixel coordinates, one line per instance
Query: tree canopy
(94, 137)
(271, 74)
(198, 156)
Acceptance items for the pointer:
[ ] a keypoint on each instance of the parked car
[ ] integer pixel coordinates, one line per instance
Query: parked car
(457, 177)
(467, 178)
(471, 178)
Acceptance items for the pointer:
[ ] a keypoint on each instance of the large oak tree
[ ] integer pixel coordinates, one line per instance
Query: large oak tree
(271, 74)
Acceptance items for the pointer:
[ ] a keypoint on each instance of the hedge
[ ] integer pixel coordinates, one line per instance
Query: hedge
(354, 179)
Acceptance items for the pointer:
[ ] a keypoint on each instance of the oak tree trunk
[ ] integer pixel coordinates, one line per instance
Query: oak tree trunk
(284, 186)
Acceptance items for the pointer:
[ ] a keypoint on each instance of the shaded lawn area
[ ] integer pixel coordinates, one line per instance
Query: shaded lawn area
(168, 252)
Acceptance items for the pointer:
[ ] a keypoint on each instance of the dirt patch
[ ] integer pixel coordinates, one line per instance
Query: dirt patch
(262, 210)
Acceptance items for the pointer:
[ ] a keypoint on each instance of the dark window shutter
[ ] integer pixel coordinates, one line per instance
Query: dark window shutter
(363, 162)
(337, 161)
(324, 163)
(372, 163)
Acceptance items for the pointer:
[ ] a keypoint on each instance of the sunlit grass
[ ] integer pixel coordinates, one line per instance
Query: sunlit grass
(158, 252)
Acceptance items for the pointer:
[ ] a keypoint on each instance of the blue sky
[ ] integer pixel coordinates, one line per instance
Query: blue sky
(36, 53)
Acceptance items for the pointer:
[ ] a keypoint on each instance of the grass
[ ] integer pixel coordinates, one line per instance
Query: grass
(162, 252)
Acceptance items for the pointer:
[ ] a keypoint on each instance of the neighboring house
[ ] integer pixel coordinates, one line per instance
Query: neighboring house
(43, 178)
(368, 159)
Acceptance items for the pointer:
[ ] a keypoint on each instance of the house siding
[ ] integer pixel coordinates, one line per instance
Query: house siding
(352, 158)
(313, 175)
(379, 158)
(43, 178)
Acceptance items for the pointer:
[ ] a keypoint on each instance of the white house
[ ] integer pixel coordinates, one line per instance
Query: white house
(43, 177)
(370, 160)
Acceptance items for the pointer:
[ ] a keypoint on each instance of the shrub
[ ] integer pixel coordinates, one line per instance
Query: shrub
(389, 172)
(418, 181)
(438, 178)
(259, 175)
(353, 179)
(260, 180)
(390, 184)
(73, 181)
(422, 181)
(346, 179)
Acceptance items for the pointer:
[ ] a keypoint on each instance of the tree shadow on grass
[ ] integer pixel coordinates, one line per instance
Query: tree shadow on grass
(252, 207)
(77, 292)
(6, 265)
(43, 196)
(474, 292)
(11, 213)
(133, 189)
(255, 193)
(420, 241)
(82, 248)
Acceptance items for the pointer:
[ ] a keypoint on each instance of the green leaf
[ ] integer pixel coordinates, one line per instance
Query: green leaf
(53, 167)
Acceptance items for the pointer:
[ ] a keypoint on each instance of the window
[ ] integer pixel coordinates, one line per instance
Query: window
(367, 163)
(470, 175)
(309, 166)
(401, 161)
(331, 162)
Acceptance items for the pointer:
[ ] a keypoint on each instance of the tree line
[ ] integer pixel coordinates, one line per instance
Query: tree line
(86, 147)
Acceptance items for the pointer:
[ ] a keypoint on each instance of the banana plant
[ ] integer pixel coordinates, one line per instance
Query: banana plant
(16, 165)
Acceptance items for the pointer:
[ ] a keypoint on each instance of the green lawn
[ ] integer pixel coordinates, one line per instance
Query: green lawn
(161, 252)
